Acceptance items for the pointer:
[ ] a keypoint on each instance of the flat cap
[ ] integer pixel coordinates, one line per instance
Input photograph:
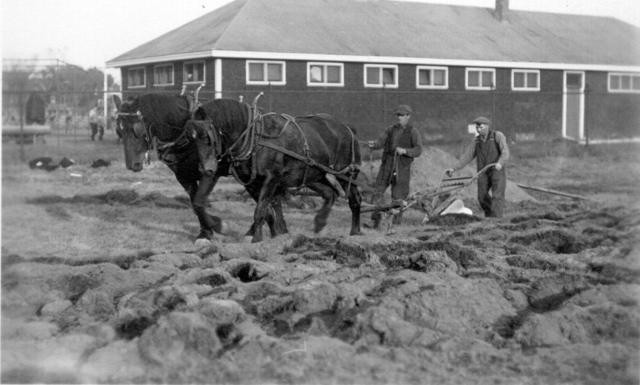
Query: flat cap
(482, 120)
(403, 109)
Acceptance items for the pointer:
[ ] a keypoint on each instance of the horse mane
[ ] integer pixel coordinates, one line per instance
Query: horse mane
(167, 109)
(225, 114)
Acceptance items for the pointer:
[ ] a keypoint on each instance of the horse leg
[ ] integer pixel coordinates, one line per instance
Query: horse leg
(355, 202)
(276, 203)
(328, 194)
(274, 219)
(198, 193)
(264, 206)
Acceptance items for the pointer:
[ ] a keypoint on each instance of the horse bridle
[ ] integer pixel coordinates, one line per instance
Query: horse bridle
(148, 136)
(147, 132)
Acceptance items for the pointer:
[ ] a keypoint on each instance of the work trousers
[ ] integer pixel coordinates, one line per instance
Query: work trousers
(496, 182)
(399, 190)
(96, 129)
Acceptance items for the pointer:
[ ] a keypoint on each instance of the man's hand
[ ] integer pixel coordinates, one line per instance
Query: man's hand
(498, 166)
(400, 151)
(371, 143)
(449, 172)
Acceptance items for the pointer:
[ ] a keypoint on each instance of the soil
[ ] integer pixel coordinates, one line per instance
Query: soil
(547, 295)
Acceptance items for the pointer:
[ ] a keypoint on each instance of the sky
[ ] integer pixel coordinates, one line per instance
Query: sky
(88, 33)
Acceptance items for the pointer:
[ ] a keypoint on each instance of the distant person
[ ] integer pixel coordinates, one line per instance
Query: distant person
(488, 147)
(67, 120)
(401, 143)
(96, 122)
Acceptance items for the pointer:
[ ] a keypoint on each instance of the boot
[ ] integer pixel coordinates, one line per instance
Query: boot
(375, 220)
(397, 218)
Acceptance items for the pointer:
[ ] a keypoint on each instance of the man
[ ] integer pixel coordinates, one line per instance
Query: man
(401, 143)
(96, 122)
(488, 147)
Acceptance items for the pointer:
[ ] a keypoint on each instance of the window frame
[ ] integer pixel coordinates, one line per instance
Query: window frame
(431, 69)
(173, 75)
(621, 90)
(479, 88)
(324, 66)
(144, 77)
(265, 73)
(526, 87)
(396, 76)
(184, 72)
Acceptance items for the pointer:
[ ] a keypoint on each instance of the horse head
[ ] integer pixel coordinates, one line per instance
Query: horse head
(217, 124)
(208, 142)
(134, 134)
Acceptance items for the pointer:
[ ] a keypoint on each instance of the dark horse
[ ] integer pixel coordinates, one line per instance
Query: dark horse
(157, 121)
(271, 153)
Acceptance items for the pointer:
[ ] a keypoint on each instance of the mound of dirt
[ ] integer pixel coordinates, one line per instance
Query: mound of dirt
(115, 197)
(549, 296)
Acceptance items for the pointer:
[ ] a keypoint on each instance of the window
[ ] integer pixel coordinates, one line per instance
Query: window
(622, 82)
(266, 72)
(163, 75)
(481, 79)
(380, 76)
(525, 80)
(193, 72)
(325, 74)
(432, 77)
(136, 77)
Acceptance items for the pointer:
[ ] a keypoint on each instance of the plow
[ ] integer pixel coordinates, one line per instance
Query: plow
(433, 201)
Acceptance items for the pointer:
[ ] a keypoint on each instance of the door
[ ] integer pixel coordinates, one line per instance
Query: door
(573, 105)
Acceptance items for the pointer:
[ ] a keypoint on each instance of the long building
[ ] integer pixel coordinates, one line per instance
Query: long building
(536, 75)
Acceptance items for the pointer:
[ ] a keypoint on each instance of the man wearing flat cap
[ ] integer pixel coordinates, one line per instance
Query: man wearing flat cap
(488, 147)
(401, 143)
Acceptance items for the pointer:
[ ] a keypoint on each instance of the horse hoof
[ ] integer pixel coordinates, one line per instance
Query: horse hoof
(201, 243)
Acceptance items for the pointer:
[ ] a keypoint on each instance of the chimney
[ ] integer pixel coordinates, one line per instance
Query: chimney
(502, 10)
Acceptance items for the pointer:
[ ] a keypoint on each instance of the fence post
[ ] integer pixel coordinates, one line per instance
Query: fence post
(21, 102)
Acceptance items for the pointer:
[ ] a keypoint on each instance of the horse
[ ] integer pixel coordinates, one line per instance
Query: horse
(272, 153)
(156, 121)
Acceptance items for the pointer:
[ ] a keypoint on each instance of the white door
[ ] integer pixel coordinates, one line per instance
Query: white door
(573, 105)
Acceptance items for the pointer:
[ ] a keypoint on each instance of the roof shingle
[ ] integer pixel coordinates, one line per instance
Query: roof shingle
(393, 29)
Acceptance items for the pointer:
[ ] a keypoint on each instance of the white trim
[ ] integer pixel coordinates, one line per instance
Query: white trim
(144, 72)
(396, 79)
(526, 87)
(606, 141)
(173, 75)
(217, 81)
(564, 104)
(266, 82)
(374, 59)
(432, 87)
(204, 72)
(621, 90)
(324, 74)
(480, 70)
(157, 59)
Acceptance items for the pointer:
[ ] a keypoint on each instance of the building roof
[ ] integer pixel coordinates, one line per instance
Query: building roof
(397, 32)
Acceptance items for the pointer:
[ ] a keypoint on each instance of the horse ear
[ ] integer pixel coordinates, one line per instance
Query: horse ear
(117, 101)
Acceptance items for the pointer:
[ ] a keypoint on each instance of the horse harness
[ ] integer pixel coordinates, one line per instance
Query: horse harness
(247, 146)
